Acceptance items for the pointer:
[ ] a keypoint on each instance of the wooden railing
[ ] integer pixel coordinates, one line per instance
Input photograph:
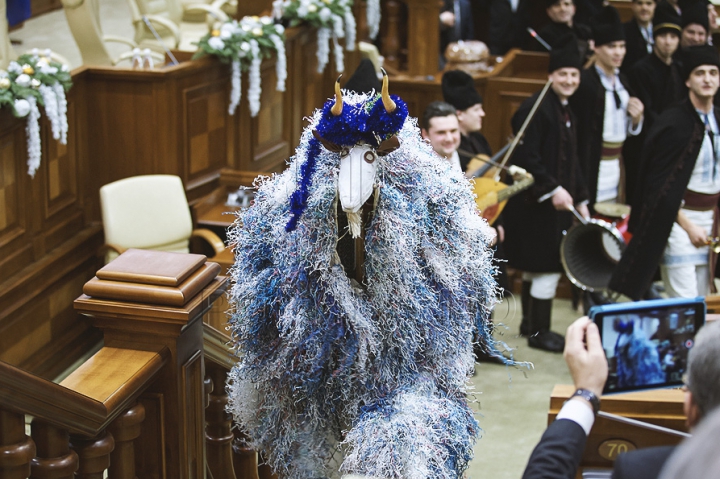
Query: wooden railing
(146, 405)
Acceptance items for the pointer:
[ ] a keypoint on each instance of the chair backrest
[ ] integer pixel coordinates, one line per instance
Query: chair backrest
(6, 50)
(146, 212)
(83, 18)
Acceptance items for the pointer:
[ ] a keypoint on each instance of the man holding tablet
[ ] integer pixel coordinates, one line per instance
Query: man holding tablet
(560, 449)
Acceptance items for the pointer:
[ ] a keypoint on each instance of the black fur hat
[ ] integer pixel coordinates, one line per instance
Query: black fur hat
(458, 89)
(607, 27)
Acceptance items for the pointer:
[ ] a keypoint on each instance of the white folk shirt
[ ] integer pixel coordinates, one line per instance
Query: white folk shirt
(705, 178)
(455, 161)
(617, 125)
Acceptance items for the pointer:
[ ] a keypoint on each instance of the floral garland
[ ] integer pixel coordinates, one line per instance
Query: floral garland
(372, 13)
(333, 19)
(34, 79)
(244, 44)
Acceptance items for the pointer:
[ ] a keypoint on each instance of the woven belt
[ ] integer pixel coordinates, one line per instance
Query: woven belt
(700, 201)
(611, 150)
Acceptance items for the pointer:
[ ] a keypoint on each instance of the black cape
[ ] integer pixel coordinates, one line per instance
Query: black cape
(669, 156)
(636, 47)
(588, 103)
(549, 152)
(658, 86)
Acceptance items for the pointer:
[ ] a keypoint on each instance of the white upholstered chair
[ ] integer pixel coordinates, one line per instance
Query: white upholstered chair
(178, 24)
(6, 50)
(83, 17)
(149, 212)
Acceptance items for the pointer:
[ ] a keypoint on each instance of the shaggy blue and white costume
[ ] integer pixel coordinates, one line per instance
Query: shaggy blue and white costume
(335, 377)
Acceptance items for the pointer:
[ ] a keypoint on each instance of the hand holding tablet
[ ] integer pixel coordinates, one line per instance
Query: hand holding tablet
(646, 343)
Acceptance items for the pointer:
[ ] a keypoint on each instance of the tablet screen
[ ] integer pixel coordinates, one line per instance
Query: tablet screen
(648, 348)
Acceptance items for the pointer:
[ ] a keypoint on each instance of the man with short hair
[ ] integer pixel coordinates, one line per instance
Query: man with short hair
(535, 219)
(639, 37)
(440, 127)
(459, 90)
(561, 447)
(702, 396)
(607, 111)
(679, 192)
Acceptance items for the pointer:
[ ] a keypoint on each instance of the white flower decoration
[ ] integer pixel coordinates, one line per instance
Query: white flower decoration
(21, 107)
(35, 83)
(325, 14)
(216, 43)
(226, 30)
(14, 67)
(279, 29)
(23, 80)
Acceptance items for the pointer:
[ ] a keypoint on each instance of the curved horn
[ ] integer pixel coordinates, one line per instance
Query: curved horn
(337, 108)
(387, 101)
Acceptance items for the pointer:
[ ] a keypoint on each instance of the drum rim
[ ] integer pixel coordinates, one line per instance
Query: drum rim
(609, 227)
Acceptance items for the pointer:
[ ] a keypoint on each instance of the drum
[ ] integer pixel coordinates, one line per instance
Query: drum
(616, 213)
(589, 252)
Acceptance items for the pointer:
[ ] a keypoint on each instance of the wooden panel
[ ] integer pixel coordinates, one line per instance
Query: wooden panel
(192, 399)
(424, 36)
(504, 103)
(15, 239)
(253, 7)
(150, 459)
(205, 128)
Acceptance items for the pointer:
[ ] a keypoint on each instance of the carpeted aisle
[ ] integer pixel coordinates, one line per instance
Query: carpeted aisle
(512, 403)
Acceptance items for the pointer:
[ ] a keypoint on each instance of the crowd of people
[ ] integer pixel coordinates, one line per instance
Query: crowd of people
(629, 119)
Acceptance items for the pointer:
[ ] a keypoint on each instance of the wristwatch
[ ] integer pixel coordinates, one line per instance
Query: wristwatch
(590, 396)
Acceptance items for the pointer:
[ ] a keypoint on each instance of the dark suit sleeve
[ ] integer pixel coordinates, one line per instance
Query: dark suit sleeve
(558, 454)
(641, 464)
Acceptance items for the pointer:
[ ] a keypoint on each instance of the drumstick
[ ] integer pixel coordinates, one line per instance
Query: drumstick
(580, 217)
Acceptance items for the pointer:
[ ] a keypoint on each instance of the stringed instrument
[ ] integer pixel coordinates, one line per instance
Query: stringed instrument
(491, 194)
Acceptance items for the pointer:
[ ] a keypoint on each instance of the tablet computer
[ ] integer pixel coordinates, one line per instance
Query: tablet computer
(647, 342)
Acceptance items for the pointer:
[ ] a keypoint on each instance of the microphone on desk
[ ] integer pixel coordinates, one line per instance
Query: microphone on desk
(537, 37)
(159, 39)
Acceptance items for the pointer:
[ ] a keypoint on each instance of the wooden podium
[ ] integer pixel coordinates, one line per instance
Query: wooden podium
(662, 407)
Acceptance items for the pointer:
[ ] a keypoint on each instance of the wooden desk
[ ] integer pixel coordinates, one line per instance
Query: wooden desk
(662, 407)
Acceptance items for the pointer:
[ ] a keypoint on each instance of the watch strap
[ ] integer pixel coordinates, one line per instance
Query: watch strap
(590, 396)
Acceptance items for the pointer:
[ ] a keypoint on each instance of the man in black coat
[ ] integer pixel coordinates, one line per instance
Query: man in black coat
(558, 454)
(535, 220)
(560, 449)
(607, 112)
(562, 22)
(509, 20)
(673, 208)
(638, 33)
(456, 23)
(658, 83)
